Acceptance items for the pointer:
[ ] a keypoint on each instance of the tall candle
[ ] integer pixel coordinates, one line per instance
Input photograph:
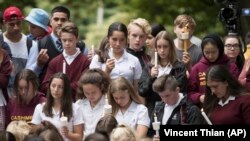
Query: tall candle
(205, 117)
(155, 118)
(111, 53)
(107, 106)
(247, 65)
(156, 125)
(156, 59)
(64, 67)
(185, 36)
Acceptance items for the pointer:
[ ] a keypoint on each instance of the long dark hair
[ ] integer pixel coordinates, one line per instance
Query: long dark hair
(28, 76)
(104, 46)
(66, 101)
(220, 73)
(240, 58)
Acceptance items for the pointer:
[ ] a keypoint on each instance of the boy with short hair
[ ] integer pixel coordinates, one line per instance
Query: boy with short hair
(194, 53)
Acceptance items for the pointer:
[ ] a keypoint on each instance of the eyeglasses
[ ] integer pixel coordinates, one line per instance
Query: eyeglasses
(231, 46)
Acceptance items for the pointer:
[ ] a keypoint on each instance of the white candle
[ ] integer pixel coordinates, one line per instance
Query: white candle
(64, 67)
(184, 35)
(156, 59)
(205, 117)
(247, 65)
(156, 125)
(107, 107)
(111, 53)
(64, 120)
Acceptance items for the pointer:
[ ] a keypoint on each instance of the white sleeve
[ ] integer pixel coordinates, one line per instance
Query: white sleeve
(95, 63)
(78, 115)
(36, 118)
(138, 70)
(143, 117)
(32, 59)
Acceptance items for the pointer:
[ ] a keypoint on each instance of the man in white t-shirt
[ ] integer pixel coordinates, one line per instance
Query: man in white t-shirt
(17, 41)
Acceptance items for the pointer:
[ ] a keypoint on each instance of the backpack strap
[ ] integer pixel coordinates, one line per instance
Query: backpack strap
(29, 44)
(42, 42)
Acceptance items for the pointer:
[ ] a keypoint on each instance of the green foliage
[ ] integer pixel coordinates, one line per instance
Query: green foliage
(83, 12)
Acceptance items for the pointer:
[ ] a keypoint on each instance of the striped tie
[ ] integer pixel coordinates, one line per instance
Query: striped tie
(59, 45)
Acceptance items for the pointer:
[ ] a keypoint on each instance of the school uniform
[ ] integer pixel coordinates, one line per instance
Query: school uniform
(91, 115)
(136, 114)
(39, 116)
(127, 66)
(75, 65)
(235, 110)
(197, 79)
(24, 112)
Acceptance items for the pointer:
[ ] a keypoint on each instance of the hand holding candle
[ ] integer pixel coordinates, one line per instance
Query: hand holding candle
(205, 117)
(156, 125)
(64, 120)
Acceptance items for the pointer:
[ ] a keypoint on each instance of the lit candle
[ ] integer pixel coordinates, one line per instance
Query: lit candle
(64, 120)
(205, 117)
(155, 118)
(156, 125)
(247, 65)
(107, 106)
(156, 59)
(64, 67)
(185, 37)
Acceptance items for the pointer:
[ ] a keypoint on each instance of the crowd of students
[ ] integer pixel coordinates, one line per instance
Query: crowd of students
(54, 88)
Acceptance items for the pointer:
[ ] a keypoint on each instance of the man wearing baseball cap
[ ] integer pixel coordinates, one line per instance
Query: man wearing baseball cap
(17, 41)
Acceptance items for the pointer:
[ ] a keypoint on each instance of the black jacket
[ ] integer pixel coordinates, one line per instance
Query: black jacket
(185, 113)
(146, 81)
(141, 55)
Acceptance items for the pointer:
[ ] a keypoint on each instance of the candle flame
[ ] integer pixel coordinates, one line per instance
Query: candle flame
(186, 28)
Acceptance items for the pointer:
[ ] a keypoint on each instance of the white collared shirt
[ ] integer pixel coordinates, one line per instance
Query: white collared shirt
(164, 70)
(136, 114)
(54, 38)
(39, 116)
(169, 109)
(227, 101)
(70, 58)
(91, 115)
(127, 66)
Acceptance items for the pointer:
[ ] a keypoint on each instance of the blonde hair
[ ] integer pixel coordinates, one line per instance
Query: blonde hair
(19, 129)
(183, 20)
(123, 133)
(142, 23)
(121, 84)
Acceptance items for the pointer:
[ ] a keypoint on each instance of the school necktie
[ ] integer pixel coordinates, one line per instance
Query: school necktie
(59, 45)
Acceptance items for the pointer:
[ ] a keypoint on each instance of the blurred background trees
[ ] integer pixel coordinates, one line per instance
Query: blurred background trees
(94, 16)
